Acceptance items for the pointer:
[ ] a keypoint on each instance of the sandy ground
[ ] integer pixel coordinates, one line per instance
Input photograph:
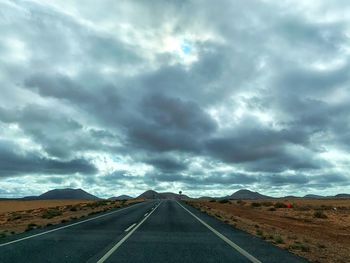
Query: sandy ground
(20, 216)
(318, 230)
(14, 205)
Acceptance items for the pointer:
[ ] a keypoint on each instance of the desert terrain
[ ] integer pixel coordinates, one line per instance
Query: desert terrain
(318, 230)
(18, 216)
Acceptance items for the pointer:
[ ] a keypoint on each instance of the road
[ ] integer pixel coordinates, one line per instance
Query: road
(152, 231)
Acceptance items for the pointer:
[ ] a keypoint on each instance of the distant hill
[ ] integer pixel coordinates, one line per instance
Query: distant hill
(247, 194)
(150, 194)
(121, 197)
(342, 196)
(290, 196)
(32, 197)
(206, 198)
(312, 196)
(169, 195)
(67, 193)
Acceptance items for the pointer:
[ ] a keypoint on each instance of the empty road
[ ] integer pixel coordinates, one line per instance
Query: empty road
(153, 231)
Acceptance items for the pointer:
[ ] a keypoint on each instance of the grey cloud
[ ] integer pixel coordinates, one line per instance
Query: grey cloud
(103, 101)
(167, 164)
(249, 144)
(58, 133)
(117, 176)
(168, 124)
(53, 131)
(278, 179)
(311, 82)
(14, 162)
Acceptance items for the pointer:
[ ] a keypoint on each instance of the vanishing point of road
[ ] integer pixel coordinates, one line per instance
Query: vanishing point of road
(160, 231)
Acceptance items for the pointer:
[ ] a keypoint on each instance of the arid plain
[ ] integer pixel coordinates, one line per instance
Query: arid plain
(18, 216)
(318, 230)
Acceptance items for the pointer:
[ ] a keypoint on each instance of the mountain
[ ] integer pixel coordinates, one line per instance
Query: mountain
(246, 194)
(121, 197)
(150, 194)
(169, 195)
(32, 197)
(67, 193)
(311, 196)
(290, 196)
(342, 196)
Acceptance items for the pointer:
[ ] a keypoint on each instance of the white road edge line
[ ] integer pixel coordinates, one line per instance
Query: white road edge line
(116, 246)
(127, 230)
(63, 227)
(228, 241)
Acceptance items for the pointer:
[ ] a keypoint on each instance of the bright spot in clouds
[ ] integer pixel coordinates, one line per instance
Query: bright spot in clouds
(186, 47)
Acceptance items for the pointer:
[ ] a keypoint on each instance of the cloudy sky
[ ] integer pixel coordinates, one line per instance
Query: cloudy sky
(207, 97)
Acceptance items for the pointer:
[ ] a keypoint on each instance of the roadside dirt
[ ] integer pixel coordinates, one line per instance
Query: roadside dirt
(318, 230)
(20, 216)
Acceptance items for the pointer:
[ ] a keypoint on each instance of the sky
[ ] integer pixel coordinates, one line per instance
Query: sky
(207, 97)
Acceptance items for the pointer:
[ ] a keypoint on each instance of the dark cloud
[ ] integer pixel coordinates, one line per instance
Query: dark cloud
(168, 124)
(117, 176)
(167, 164)
(277, 179)
(263, 149)
(101, 102)
(14, 162)
(53, 131)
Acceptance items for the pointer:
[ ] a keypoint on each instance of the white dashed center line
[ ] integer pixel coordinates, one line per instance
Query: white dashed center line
(127, 230)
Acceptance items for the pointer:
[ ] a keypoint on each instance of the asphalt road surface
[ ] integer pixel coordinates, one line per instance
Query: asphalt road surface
(152, 232)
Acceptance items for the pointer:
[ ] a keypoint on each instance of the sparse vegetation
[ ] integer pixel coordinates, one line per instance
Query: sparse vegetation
(74, 208)
(320, 214)
(255, 204)
(278, 239)
(270, 236)
(266, 203)
(325, 207)
(31, 226)
(303, 208)
(212, 201)
(51, 212)
(241, 202)
(93, 213)
(14, 217)
(300, 246)
(217, 215)
(259, 232)
(280, 205)
(224, 201)
(321, 246)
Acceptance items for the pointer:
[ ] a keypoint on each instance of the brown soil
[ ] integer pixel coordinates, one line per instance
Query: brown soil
(20, 216)
(15, 206)
(318, 230)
